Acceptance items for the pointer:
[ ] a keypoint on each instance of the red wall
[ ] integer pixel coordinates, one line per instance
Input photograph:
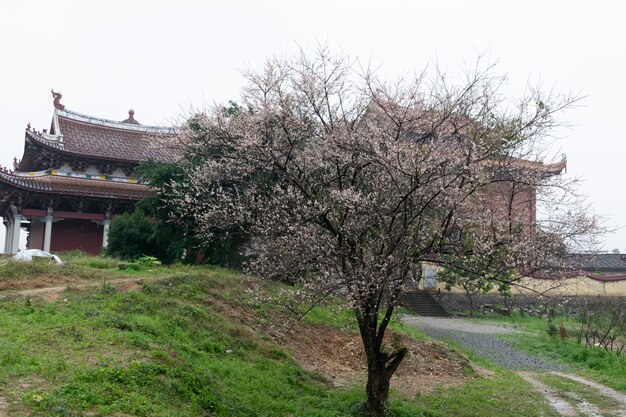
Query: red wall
(70, 234)
(499, 198)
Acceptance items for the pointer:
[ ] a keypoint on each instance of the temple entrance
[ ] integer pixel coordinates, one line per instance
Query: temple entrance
(77, 234)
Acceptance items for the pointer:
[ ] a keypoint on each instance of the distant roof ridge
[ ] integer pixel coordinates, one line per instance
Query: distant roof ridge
(85, 118)
(598, 262)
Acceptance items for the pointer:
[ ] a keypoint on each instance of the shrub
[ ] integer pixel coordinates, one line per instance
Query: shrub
(148, 261)
(603, 323)
(131, 236)
(551, 328)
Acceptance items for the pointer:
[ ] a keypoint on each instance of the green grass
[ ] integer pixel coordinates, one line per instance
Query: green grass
(165, 350)
(333, 314)
(595, 363)
(607, 405)
(79, 266)
(502, 395)
(158, 352)
(161, 351)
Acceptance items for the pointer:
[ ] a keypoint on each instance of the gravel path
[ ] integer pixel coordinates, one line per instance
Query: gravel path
(481, 340)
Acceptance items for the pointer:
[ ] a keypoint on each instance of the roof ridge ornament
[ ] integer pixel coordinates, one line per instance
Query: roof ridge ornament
(131, 118)
(57, 100)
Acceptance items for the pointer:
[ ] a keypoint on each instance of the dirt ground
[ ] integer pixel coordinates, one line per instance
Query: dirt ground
(428, 365)
(43, 281)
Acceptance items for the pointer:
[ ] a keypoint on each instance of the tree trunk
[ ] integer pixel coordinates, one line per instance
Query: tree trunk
(380, 367)
(471, 304)
(377, 385)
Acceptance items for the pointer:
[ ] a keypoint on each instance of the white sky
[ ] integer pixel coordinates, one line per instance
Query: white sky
(161, 58)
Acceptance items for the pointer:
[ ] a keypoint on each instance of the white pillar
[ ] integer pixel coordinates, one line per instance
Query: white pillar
(6, 237)
(17, 227)
(8, 247)
(47, 233)
(105, 232)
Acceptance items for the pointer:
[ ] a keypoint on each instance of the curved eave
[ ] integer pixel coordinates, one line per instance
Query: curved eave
(555, 169)
(28, 157)
(51, 144)
(525, 165)
(49, 184)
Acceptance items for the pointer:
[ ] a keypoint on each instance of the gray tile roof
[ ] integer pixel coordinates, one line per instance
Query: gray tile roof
(598, 262)
(127, 141)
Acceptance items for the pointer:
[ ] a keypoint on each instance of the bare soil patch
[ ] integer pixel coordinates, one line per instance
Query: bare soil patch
(128, 285)
(52, 293)
(338, 354)
(48, 294)
(4, 406)
(43, 281)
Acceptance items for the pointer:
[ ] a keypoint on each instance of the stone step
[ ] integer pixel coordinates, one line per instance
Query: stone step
(423, 303)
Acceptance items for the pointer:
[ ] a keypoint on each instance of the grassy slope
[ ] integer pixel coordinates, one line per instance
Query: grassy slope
(164, 351)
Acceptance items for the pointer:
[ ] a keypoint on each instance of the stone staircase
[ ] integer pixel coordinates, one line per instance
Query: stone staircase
(423, 303)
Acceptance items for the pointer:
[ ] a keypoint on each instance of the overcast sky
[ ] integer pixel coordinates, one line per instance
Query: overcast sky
(161, 58)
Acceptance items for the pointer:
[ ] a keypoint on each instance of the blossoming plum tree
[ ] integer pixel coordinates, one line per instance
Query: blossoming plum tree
(346, 183)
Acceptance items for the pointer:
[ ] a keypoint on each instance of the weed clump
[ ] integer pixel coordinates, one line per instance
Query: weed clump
(551, 329)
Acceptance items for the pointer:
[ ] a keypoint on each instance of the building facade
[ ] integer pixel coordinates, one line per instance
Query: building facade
(73, 178)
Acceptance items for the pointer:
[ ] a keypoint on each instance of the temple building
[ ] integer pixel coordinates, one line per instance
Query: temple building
(73, 178)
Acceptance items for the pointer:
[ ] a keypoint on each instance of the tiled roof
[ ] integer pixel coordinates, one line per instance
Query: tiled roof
(92, 137)
(599, 262)
(55, 184)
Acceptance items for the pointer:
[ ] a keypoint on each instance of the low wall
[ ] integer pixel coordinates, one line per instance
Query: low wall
(586, 285)
(532, 304)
